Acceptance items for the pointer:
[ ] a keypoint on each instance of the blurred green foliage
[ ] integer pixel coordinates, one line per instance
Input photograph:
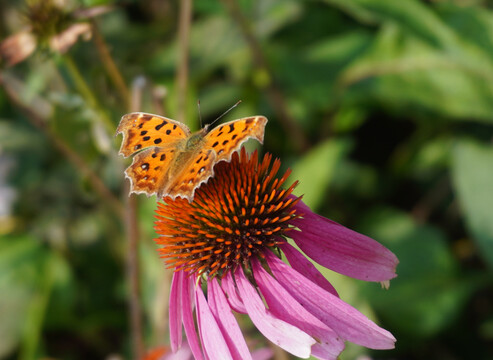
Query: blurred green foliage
(394, 100)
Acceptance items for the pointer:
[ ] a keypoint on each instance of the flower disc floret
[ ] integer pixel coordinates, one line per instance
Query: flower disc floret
(239, 213)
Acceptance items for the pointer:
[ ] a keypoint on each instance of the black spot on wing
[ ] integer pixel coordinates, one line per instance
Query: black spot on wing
(143, 132)
(231, 128)
(215, 144)
(225, 142)
(145, 138)
(158, 127)
(168, 132)
(137, 147)
(145, 166)
(163, 157)
(158, 141)
(234, 136)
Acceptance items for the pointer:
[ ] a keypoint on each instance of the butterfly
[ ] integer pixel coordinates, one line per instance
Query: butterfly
(172, 161)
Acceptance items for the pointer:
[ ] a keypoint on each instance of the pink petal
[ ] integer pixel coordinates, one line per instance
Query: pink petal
(226, 321)
(301, 264)
(68, 37)
(288, 337)
(188, 321)
(262, 354)
(175, 315)
(92, 11)
(285, 307)
(17, 47)
(184, 353)
(348, 322)
(228, 285)
(341, 249)
(212, 339)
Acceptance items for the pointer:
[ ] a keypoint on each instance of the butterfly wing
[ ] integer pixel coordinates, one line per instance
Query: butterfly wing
(149, 170)
(142, 130)
(227, 138)
(197, 168)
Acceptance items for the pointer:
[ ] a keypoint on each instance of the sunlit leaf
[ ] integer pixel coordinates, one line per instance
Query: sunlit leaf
(316, 170)
(473, 179)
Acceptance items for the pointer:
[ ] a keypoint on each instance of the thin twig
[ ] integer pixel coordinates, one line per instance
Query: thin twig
(86, 92)
(38, 121)
(110, 66)
(132, 231)
(183, 50)
(275, 96)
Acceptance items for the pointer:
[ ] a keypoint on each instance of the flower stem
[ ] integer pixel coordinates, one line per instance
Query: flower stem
(132, 233)
(109, 64)
(86, 92)
(183, 45)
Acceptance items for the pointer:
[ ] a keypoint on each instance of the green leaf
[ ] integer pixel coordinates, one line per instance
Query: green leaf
(473, 24)
(412, 15)
(22, 262)
(472, 171)
(316, 170)
(406, 74)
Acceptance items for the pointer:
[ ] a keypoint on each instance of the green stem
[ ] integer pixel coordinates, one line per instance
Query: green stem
(183, 58)
(110, 66)
(87, 94)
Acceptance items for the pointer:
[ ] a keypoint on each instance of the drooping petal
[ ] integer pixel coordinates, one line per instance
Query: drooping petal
(282, 305)
(175, 314)
(226, 321)
(288, 337)
(64, 40)
(349, 323)
(188, 321)
(228, 285)
(341, 249)
(92, 11)
(184, 353)
(17, 47)
(301, 264)
(212, 338)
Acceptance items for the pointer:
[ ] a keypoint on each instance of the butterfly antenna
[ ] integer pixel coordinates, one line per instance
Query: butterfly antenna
(200, 114)
(224, 113)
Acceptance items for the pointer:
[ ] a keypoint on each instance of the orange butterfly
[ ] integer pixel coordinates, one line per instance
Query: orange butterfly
(173, 161)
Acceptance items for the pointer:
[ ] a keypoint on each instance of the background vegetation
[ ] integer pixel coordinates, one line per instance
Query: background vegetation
(384, 110)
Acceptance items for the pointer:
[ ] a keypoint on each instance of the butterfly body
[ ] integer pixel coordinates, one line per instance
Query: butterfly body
(171, 161)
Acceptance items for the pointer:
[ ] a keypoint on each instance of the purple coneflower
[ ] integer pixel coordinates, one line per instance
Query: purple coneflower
(229, 242)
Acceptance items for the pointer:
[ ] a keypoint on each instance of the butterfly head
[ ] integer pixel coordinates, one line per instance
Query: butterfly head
(196, 139)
